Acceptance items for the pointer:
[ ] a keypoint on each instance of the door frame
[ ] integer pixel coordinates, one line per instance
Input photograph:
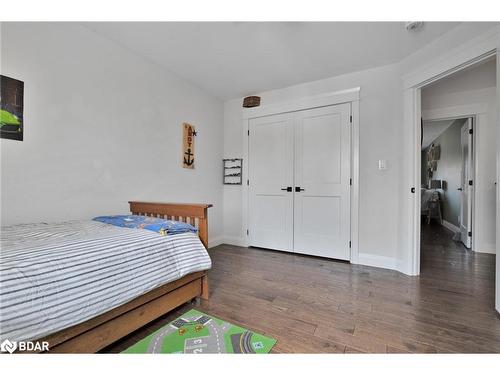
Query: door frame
(339, 97)
(469, 54)
(472, 111)
(468, 127)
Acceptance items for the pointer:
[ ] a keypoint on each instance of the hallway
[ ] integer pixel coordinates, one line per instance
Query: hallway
(448, 261)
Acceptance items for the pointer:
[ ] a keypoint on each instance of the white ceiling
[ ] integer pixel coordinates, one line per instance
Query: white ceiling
(234, 59)
(433, 129)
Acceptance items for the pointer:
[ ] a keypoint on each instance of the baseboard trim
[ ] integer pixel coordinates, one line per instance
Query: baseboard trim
(235, 241)
(378, 261)
(451, 226)
(485, 249)
(215, 242)
(363, 259)
(405, 268)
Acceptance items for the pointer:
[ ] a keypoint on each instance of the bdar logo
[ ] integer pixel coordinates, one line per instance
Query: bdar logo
(8, 346)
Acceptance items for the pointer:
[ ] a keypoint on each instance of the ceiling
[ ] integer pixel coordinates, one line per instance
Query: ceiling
(433, 129)
(235, 59)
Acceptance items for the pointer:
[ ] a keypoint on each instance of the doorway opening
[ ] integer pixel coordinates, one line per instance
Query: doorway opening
(447, 186)
(457, 180)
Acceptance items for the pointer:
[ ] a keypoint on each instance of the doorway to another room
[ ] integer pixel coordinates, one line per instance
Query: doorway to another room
(447, 194)
(458, 178)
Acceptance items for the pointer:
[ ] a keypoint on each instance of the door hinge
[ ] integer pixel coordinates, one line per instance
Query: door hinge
(247, 232)
(469, 234)
(248, 132)
(350, 181)
(248, 182)
(470, 182)
(350, 119)
(470, 131)
(349, 244)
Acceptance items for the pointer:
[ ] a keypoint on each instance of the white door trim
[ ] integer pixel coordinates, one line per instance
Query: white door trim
(476, 50)
(449, 113)
(471, 150)
(468, 54)
(338, 97)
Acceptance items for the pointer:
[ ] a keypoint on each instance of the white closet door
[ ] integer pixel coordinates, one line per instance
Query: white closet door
(271, 171)
(322, 182)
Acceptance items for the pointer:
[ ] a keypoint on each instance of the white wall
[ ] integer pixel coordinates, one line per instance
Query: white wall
(379, 109)
(102, 126)
(233, 148)
(475, 86)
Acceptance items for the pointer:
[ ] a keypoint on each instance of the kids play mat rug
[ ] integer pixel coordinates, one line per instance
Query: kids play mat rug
(196, 332)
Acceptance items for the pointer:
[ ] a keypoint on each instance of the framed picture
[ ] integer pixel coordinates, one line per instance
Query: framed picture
(11, 108)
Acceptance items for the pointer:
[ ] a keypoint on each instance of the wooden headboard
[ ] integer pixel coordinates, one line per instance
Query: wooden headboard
(191, 213)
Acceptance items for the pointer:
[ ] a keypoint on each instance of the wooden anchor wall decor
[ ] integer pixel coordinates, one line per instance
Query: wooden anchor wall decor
(189, 133)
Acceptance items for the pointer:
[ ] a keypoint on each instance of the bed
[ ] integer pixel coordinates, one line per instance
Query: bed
(82, 285)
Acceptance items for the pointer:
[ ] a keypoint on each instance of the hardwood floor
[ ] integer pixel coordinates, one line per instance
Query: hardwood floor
(314, 305)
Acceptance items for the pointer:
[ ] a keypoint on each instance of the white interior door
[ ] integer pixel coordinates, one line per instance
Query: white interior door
(322, 182)
(271, 171)
(465, 187)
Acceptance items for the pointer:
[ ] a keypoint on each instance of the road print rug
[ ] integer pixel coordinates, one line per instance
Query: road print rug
(196, 332)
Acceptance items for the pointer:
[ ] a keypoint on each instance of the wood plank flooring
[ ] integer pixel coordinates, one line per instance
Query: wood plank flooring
(314, 305)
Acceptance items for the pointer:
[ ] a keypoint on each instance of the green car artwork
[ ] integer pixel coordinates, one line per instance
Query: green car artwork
(10, 120)
(11, 108)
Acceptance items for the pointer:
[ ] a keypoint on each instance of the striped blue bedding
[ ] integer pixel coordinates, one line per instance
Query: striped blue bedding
(53, 276)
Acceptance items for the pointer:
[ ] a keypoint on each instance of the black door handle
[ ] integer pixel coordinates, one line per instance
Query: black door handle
(298, 189)
(288, 188)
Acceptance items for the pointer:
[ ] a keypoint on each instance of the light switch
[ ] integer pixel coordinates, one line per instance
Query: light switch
(382, 165)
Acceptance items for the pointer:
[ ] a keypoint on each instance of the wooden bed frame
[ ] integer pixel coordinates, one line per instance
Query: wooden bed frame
(96, 333)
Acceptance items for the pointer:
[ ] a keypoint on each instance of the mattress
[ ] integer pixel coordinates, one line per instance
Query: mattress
(53, 276)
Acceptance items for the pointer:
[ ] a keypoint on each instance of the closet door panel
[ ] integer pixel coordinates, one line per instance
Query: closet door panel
(322, 174)
(270, 171)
